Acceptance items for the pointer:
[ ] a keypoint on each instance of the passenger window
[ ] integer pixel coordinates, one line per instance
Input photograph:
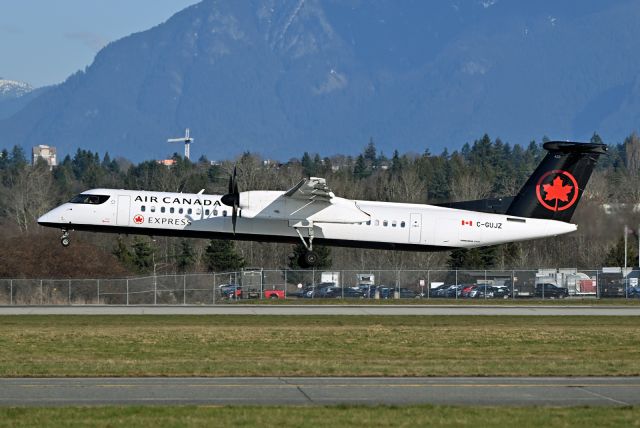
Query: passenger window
(180, 210)
(153, 209)
(171, 210)
(215, 213)
(224, 213)
(402, 224)
(369, 223)
(142, 208)
(385, 223)
(377, 223)
(189, 211)
(161, 209)
(198, 211)
(206, 212)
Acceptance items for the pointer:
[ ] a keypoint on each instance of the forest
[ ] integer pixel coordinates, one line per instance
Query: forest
(485, 168)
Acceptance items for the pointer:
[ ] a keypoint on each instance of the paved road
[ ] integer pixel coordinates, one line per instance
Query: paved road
(233, 309)
(320, 391)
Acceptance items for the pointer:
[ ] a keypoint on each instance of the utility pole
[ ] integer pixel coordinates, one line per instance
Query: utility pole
(626, 234)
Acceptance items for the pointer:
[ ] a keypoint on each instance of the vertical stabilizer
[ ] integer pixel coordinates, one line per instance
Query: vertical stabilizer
(556, 186)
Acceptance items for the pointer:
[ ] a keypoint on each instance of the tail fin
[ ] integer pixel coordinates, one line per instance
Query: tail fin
(555, 187)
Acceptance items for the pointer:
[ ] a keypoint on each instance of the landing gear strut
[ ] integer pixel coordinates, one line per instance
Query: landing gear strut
(309, 258)
(65, 239)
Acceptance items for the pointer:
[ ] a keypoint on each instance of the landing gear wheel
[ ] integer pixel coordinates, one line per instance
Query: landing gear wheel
(65, 239)
(310, 258)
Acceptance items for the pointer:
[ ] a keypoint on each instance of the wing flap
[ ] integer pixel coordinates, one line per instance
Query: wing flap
(310, 189)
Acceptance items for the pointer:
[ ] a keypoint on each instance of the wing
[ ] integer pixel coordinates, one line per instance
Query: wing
(310, 189)
(312, 200)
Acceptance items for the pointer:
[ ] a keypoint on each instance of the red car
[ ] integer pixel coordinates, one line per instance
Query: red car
(274, 294)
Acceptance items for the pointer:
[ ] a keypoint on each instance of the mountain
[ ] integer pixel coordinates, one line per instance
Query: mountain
(280, 77)
(13, 89)
(15, 95)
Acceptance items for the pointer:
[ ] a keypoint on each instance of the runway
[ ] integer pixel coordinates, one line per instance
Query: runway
(321, 391)
(380, 310)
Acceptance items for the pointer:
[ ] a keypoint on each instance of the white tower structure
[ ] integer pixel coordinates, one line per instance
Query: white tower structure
(187, 140)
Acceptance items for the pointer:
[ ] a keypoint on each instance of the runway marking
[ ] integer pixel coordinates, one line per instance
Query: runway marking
(605, 397)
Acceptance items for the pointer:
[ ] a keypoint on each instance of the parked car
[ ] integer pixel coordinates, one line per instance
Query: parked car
(481, 291)
(349, 292)
(501, 292)
(406, 293)
(452, 291)
(369, 291)
(466, 290)
(233, 291)
(433, 292)
(321, 290)
(274, 294)
(551, 291)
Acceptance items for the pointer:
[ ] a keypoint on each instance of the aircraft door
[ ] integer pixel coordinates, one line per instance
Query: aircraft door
(415, 228)
(124, 205)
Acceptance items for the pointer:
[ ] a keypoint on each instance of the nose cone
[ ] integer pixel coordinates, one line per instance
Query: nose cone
(44, 219)
(54, 218)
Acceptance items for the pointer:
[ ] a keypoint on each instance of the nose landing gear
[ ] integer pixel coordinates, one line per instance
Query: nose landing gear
(65, 239)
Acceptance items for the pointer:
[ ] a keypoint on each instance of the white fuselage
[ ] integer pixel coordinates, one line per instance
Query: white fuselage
(268, 216)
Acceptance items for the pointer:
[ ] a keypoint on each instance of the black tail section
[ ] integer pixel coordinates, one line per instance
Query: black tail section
(555, 188)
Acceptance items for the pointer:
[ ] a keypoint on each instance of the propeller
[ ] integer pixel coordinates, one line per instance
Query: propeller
(232, 199)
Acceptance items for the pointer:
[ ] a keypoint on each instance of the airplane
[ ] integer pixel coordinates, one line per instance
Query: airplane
(311, 213)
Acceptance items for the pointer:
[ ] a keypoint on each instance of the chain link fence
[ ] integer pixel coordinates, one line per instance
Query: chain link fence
(249, 284)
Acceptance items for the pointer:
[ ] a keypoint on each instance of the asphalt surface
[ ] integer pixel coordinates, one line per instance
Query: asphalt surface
(239, 309)
(320, 391)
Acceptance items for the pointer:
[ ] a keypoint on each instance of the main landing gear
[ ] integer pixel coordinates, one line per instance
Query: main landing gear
(65, 239)
(309, 258)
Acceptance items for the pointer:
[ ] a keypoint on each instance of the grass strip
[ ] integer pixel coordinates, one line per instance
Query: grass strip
(34, 346)
(329, 416)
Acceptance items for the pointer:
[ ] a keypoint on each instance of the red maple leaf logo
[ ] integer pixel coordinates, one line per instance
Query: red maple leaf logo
(138, 219)
(564, 195)
(558, 190)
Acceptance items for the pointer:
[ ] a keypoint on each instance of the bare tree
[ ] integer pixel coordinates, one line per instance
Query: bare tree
(28, 195)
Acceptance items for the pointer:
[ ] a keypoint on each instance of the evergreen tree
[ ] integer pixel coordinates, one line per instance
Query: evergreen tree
(324, 256)
(396, 163)
(221, 256)
(473, 258)
(143, 254)
(187, 256)
(360, 169)
(615, 255)
(370, 153)
(122, 253)
(308, 165)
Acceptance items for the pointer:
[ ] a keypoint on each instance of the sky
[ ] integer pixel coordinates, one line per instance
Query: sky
(42, 42)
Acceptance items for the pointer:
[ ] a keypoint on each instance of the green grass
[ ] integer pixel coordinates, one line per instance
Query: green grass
(318, 346)
(335, 416)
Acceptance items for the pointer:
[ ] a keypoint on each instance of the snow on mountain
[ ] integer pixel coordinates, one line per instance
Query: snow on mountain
(13, 88)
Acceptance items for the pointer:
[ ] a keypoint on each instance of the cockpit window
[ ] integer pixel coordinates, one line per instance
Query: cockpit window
(89, 199)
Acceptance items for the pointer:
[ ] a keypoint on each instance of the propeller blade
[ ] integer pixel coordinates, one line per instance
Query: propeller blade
(232, 199)
(234, 217)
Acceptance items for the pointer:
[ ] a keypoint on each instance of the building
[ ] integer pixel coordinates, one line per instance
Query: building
(48, 153)
(167, 162)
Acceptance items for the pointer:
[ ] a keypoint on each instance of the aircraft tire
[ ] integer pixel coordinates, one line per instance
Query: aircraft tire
(310, 258)
(65, 241)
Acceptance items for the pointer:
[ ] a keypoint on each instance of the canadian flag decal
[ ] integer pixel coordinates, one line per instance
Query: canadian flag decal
(467, 223)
